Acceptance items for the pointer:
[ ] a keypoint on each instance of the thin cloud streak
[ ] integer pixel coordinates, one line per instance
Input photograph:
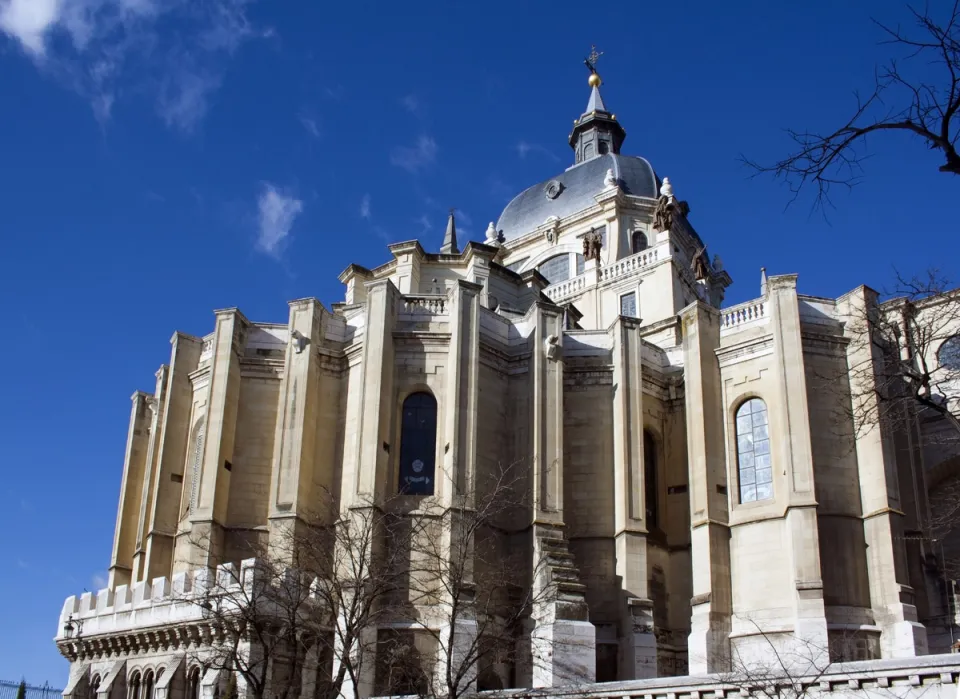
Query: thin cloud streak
(365, 211)
(416, 158)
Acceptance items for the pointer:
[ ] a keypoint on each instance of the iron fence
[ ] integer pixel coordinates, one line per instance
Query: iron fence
(8, 690)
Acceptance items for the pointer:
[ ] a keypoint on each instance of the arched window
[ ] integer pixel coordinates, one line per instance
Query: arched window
(650, 479)
(94, 686)
(418, 444)
(949, 353)
(198, 442)
(193, 684)
(134, 692)
(639, 241)
(753, 451)
(147, 685)
(556, 269)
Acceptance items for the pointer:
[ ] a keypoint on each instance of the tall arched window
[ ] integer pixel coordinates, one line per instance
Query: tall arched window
(198, 442)
(94, 686)
(639, 241)
(193, 684)
(753, 451)
(147, 685)
(418, 444)
(134, 692)
(650, 479)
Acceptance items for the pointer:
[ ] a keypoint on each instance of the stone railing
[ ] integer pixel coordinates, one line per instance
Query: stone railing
(424, 304)
(736, 316)
(568, 287)
(635, 262)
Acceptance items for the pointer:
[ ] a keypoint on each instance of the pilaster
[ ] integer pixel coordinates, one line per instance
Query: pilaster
(174, 431)
(709, 641)
(796, 455)
(150, 466)
(369, 481)
(131, 491)
(546, 365)
(460, 409)
(210, 512)
(295, 448)
(891, 596)
(638, 646)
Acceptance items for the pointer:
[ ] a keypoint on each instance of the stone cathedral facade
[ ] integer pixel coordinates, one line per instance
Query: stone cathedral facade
(686, 457)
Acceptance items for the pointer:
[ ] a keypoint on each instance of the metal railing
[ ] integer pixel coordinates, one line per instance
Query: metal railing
(8, 690)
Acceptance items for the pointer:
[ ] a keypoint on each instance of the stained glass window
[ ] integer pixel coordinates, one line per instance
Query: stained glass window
(753, 451)
(556, 269)
(418, 444)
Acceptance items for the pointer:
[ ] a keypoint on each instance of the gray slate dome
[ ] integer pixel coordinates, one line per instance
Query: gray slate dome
(578, 187)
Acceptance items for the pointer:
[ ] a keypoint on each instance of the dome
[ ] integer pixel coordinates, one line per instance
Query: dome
(577, 188)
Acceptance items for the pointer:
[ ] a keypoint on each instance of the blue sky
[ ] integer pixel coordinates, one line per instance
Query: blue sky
(164, 158)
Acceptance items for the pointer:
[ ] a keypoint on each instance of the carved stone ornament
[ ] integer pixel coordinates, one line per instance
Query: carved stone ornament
(551, 347)
(610, 180)
(298, 340)
(592, 244)
(552, 189)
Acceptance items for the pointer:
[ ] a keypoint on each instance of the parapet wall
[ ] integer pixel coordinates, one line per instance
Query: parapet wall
(150, 604)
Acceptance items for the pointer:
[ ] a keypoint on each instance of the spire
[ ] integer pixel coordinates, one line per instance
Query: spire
(597, 131)
(449, 246)
(596, 101)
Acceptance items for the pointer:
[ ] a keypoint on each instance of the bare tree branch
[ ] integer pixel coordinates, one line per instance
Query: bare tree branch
(898, 102)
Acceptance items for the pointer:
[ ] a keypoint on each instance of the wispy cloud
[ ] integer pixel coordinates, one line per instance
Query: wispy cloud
(524, 149)
(413, 105)
(278, 211)
(425, 224)
(105, 48)
(416, 158)
(99, 581)
(365, 207)
(22, 564)
(311, 125)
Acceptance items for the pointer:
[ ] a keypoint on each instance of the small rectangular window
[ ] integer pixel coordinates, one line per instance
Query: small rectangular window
(628, 304)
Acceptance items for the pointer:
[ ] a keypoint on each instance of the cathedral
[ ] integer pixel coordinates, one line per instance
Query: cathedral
(690, 472)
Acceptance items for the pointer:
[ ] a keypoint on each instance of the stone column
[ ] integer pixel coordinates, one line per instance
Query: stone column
(638, 644)
(810, 626)
(221, 422)
(131, 490)
(562, 641)
(709, 641)
(174, 433)
(150, 467)
(294, 446)
(370, 476)
(891, 596)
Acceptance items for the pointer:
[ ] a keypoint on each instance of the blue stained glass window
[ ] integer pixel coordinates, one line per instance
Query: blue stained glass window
(418, 444)
(753, 451)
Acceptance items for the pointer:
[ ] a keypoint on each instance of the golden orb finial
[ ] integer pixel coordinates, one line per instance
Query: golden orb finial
(594, 80)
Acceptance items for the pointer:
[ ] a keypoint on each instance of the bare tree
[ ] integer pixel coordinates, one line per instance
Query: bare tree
(902, 380)
(899, 102)
(898, 371)
(301, 604)
(476, 580)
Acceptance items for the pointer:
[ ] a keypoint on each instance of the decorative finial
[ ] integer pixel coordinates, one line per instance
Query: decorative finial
(591, 63)
(493, 238)
(666, 189)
